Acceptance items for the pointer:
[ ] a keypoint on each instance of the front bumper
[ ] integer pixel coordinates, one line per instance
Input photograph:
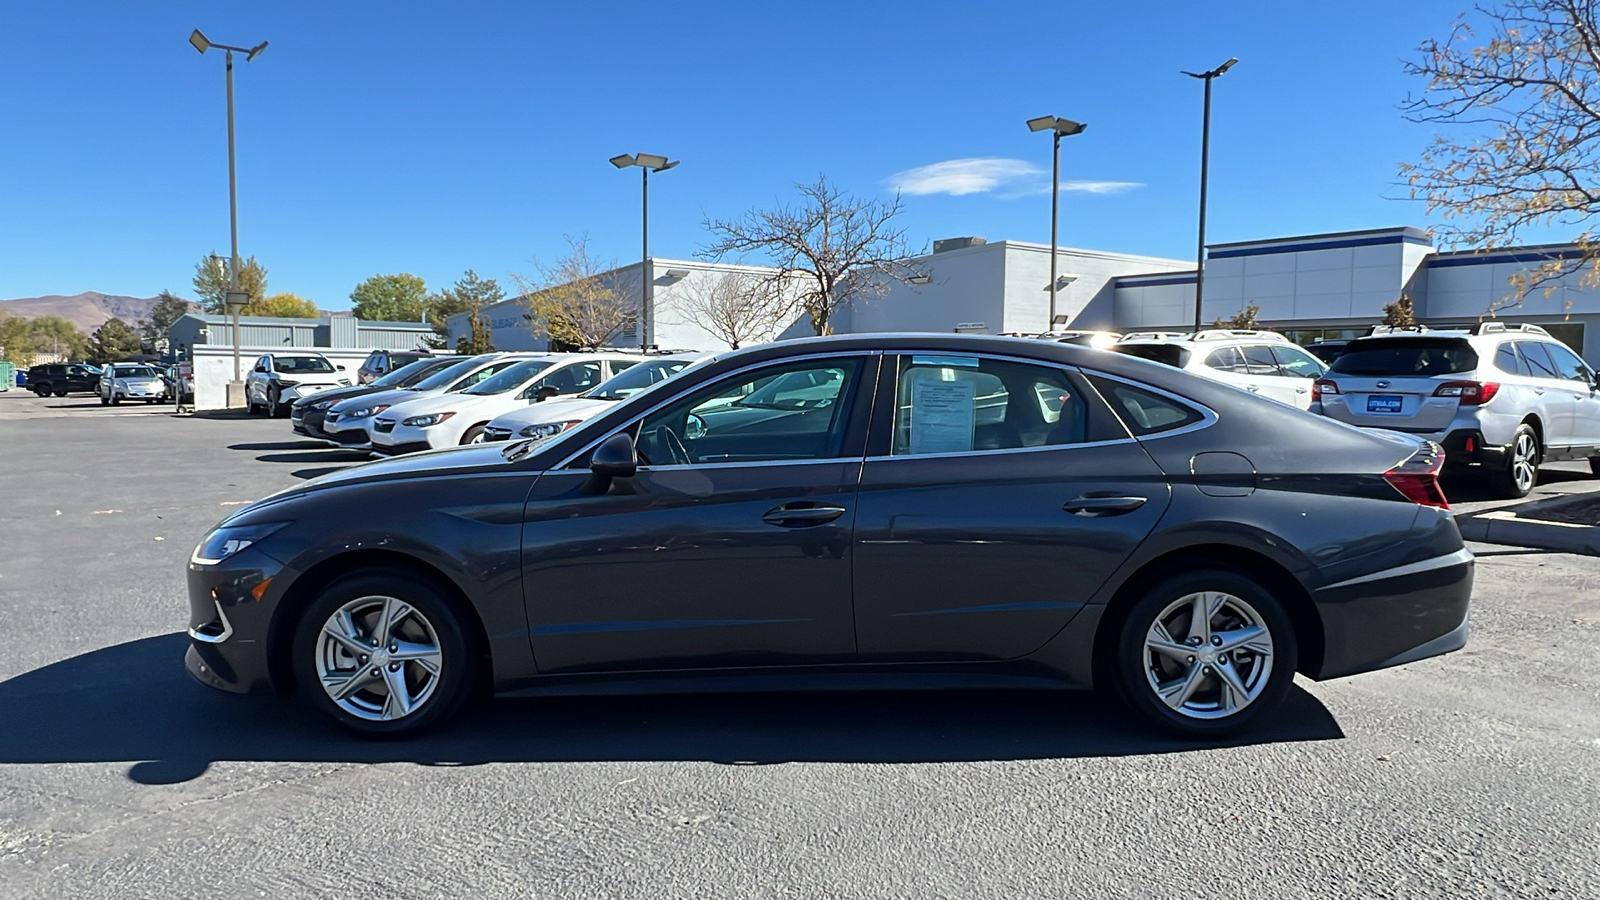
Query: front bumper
(381, 449)
(405, 439)
(230, 612)
(1396, 616)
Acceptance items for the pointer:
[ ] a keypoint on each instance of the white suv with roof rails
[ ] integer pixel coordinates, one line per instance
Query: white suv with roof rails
(1500, 398)
(1262, 362)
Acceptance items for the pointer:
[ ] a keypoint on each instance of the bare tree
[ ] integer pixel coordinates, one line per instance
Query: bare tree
(1524, 98)
(842, 248)
(576, 300)
(737, 307)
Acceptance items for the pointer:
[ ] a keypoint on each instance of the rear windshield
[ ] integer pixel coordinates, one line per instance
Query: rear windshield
(1170, 354)
(1406, 356)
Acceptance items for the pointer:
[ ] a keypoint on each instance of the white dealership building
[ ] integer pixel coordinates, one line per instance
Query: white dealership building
(1308, 286)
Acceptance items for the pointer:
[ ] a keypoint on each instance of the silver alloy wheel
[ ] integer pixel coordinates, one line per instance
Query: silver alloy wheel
(1524, 464)
(1220, 664)
(378, 658)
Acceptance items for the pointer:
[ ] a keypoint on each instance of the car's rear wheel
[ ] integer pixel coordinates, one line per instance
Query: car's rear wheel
(1521, 472)
(383, 656)
(61, 392)
(1205, 653)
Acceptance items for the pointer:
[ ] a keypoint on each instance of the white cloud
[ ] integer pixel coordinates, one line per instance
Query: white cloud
(979, 175)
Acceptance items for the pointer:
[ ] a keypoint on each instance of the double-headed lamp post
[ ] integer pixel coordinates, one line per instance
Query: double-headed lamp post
(234, 298)
(1060, 128)
(647, 162)
(1205, 152)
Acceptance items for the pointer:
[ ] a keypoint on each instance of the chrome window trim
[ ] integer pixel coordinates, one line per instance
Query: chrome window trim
(999, 451)
(1208, 416)
(760, 365)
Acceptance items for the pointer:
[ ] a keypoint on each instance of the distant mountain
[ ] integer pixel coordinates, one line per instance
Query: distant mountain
(88, 310)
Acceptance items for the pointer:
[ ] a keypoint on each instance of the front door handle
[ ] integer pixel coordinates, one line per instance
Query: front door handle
(1103, 506)
(801, 516)
(1252, 388)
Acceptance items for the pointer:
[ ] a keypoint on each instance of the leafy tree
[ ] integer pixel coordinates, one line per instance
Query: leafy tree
(16, 340)
(1243, 320)
(211, 282)
(392, 298)
(169, 308)
(283, 306)
(53, 334)
(1400, 313)
(1517, 84)
(842, 248)
(479, 337)
(114, 340)
(469, 294)
(575, 301)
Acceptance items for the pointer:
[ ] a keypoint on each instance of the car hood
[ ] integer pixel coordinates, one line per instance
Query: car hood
(380, 398)
(456, 402)
(429, 463)
(552, 411)
(334, 396)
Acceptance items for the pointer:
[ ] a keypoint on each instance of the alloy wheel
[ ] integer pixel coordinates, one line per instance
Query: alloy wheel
(1208, 655)
(1524, 462)
(378, 658)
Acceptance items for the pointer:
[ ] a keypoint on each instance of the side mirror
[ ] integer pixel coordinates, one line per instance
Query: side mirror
(340, 368)
(261, 368)
(615, 457)
(545, 393)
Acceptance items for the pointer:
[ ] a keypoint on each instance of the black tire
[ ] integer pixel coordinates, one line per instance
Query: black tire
(115, 400)
(458, 653)
(1594, 465)
(1521, 471)
(103, 400)
(61, 392)
(275, 409)
(1136, 669)
(471, 435)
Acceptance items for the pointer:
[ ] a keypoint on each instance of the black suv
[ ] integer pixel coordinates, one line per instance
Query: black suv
(59, 378)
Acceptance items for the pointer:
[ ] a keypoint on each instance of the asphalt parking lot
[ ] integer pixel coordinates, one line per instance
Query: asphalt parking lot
(1474, 774)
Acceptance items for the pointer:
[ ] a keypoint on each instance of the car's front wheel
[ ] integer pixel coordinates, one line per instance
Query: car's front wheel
(384, 656)
(1205, 653)
(473, 435)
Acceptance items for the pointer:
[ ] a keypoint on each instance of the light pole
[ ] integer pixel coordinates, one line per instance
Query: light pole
(1205, 152)
(233, 299)
(647, 162)
(1060, 128)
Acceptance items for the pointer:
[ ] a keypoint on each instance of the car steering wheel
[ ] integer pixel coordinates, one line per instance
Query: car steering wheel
(675, 447)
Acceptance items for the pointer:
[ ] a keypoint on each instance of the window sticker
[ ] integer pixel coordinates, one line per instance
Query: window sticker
(965, 362)
(942, 415)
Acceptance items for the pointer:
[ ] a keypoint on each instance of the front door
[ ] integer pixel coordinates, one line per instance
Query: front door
(730, 547)
(998, 497)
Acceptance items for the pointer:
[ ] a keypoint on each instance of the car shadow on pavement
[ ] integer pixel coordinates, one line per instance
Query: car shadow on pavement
(173, 729)
(1469, 489)
(283, 445)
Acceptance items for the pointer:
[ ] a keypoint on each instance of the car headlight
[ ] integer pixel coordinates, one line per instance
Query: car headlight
(230, 539)
(547, 429)
(427, 420)
(364, 412)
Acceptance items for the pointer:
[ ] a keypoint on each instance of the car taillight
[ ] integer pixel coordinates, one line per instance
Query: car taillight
(1322, 386)
(1472, 393)
(1417, 479)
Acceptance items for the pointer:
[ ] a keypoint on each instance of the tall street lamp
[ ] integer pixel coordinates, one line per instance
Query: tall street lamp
(1060, 128)
(1205, 152)
(234, 298)
(647, 162)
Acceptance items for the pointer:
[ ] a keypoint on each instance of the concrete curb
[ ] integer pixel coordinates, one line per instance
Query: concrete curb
(1504, 526)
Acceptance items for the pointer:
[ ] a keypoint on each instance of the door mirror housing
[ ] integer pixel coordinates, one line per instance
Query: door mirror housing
(546, 392)
(340, 368)
(615, 457)
(261, 368)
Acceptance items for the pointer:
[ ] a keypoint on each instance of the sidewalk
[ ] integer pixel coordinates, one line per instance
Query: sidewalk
(1567, 524)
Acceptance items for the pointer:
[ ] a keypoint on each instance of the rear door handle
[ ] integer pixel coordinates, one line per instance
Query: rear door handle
(1103, 506)
(796, 516)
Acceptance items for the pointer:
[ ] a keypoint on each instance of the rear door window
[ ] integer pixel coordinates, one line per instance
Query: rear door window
(1403, 357)
(1226, 359)
(1540, 365)
(961, 404)
(1258, 360)
(1568, 365)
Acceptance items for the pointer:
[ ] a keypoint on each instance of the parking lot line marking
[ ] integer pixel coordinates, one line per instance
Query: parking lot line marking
(234, 502)
(103, 512)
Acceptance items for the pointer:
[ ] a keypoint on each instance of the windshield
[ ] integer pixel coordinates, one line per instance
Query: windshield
(133, 372)
(301, 364)
(410, 373)
(1169, 354)
(511, 378)
(446, 377)
(1423, 357)
(636, 378)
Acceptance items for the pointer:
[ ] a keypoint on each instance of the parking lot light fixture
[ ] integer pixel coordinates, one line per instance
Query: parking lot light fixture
(1059, 128)
(1205, 152)
(201, 43)
(647, 163)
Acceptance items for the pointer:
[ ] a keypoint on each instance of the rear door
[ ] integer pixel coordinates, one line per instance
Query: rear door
(1565, 388)
(1301, 368)
(1389, 382)
(997, 497)
(1261, 367)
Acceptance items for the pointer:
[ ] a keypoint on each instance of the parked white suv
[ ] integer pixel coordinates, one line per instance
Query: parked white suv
(280, 378)
(446, 420)
(1499, 398)
(1261, 362)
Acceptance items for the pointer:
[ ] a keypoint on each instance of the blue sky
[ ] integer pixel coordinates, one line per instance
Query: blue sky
(432, 137)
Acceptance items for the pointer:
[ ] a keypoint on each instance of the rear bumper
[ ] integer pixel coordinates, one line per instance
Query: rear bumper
(1396, 616)
(1468, 447)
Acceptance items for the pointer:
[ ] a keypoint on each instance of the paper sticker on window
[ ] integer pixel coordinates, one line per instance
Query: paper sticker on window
(942, 416)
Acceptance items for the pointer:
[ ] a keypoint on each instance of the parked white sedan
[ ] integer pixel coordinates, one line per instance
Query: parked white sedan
(431, 423)
(348, 423)
(550, 418)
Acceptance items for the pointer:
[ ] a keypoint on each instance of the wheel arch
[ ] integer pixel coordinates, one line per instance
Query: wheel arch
(305, 588)
(1285, 587)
